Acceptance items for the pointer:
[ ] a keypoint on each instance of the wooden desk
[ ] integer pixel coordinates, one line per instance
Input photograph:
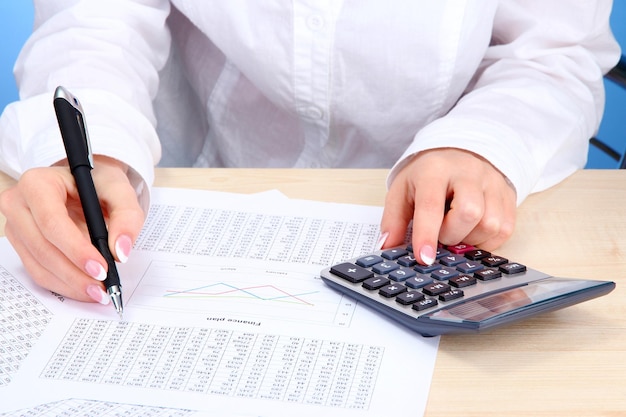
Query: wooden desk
(568, 363)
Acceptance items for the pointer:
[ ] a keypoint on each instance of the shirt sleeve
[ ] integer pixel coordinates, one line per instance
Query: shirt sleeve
(538, 95)
(117, 44)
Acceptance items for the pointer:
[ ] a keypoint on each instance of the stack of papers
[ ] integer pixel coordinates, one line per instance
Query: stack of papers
(225, 314)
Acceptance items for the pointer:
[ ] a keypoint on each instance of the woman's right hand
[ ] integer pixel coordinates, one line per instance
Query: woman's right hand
(46, 226)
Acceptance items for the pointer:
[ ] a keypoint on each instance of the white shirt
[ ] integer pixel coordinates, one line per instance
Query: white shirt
(316, 83)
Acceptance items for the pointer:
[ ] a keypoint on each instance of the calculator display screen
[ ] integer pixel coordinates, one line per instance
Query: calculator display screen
(510, 301)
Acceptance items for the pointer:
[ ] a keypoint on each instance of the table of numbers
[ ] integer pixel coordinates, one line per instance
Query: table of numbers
(241, 234)
(22, 320)
(90, 408)
(213, 361)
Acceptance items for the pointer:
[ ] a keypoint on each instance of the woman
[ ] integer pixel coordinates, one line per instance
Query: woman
(472, 104)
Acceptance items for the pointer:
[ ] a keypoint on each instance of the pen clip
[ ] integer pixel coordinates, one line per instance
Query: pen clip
(61, 93)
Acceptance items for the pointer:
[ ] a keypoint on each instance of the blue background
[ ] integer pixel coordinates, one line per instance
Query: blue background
(16, 18)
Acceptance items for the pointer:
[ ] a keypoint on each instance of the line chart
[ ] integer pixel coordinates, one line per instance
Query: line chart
(268, 290)
(257, 292)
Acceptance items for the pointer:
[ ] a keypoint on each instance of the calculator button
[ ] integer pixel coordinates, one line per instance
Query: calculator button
(424, 304)
(409, 297)
(384, 267)
(375, 283)
(426, 269)
(494, 261)
(451, 260)
(418, 281)
(392, 290)
(435, 288)
(394, 254)
(402, 274)
(444, 273)
(469, 267)
(476, 254)
(462, 281)
(351, 272)
(487, 274)
(461, 248)
(512, 268)
(442, 252)
(368, 261)
(408, 260)
(451, 295)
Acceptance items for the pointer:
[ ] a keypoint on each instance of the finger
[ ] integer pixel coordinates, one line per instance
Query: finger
(467, 208)
(429, 208)
(495, 223)
(52, 220)
(60, 276)
(497, 226)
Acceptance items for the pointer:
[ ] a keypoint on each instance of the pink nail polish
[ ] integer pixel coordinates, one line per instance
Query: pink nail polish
(96, 294)
(123, 245)
(381, 240)
(428, 254)
(95, 270)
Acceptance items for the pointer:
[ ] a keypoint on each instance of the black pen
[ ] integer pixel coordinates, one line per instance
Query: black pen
(71, 120)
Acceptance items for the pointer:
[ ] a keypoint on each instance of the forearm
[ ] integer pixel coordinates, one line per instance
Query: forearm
(537, 97)
(108, 54)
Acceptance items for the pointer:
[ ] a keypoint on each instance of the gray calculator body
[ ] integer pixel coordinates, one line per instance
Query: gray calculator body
(465, 295)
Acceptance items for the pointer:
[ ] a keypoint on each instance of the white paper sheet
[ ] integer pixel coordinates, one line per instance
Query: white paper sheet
(91, 408)
(225, 313)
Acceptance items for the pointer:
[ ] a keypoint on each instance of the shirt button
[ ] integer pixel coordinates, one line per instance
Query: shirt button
(314, 112)
(315, 22)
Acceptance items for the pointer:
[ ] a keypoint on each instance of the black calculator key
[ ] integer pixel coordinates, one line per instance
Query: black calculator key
(394, 254)
(442, 252)
(451, 295)
(410, 297)
(487, 274)
(375, 283)
(418, 281)
(477, 254)
(494, 261)
(351, 272)
(391, 290)
(462, 281)
(368, 261)
(424, 304)
(402, 274)
(436, 288)
(385, 267)
(512, 268)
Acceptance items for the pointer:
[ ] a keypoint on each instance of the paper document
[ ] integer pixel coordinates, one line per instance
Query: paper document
(225, 313)
(73, 407)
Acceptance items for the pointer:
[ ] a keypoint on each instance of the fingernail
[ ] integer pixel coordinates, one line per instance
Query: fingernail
(381, 240)
(95, 270)
(123, 245)
(428, 254)
(97, 294)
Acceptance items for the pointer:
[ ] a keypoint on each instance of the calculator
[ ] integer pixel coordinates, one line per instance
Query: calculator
(466, 290)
